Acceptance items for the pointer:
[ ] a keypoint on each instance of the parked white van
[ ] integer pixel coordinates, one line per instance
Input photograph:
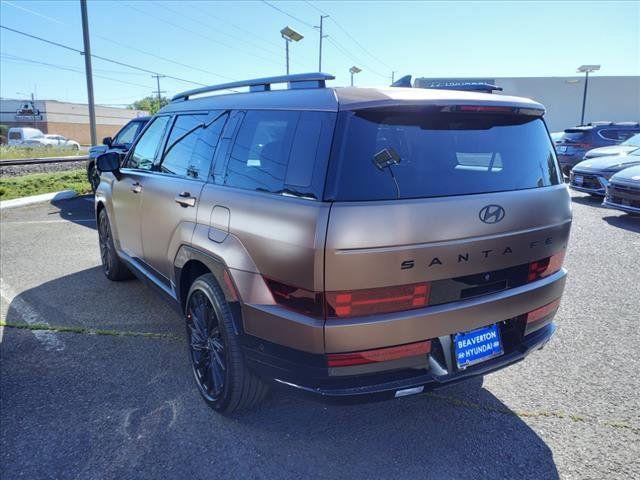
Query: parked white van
(18, 135)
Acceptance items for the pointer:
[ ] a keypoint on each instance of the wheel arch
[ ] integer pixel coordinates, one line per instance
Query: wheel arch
(191, 263)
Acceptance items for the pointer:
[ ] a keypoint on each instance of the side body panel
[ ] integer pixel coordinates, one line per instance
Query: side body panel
(271, 236)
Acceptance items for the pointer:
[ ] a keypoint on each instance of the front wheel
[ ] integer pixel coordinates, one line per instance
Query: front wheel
(93, 176)
(217, 361)
(112, 266)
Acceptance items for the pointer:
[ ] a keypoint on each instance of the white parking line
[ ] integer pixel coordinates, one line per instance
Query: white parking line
(28, 314)
(29, 222)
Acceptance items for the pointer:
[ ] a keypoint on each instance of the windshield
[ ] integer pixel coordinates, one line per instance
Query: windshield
(633, 141)
(388, 154)
(128, 134)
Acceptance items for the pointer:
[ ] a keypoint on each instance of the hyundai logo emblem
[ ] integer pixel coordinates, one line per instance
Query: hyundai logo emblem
(491, 214)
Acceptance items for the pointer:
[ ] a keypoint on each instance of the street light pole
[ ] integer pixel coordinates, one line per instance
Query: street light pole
(586, 69)
(322, 17)
(353, 70)
(289, 35)
(88, 71)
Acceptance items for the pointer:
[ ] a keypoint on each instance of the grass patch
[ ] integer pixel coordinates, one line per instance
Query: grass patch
(11, 153)
(87, 331)
(37, 183)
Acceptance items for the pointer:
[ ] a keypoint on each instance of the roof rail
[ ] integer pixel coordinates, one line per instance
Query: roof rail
(298, 80)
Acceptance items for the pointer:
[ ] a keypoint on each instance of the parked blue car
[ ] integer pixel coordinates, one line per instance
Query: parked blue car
(575, 142)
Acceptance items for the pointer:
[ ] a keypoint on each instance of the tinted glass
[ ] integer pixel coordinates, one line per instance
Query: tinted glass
(14, 135)
(432, 154)
(281, 152)
(191, 145)
(575, 135)
(260, 153)
(128, 134)
(144, 153)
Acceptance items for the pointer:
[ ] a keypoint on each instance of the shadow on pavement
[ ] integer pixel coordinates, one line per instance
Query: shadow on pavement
(588, 200)
(98, 406)
(627, 222)
(79, 210)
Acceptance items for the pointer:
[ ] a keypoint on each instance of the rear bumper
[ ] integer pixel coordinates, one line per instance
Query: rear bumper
(435, 321)
(408, 382)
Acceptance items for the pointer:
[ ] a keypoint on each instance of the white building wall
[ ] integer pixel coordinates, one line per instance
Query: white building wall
(615, 99)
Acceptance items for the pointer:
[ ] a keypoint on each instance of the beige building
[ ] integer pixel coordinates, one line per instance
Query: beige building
(609, 98)
(63, 118)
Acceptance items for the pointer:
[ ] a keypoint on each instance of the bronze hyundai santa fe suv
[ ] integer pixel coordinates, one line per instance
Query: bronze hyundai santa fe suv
(345, 242)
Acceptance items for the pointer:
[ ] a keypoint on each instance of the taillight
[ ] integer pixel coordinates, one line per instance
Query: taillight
(355, 303)
(296, 298)
(545, 267)
(378, 355)
(486, 108)
(539, 313)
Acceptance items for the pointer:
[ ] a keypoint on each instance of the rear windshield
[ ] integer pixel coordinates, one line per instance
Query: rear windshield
(389, 154)
(14, 135)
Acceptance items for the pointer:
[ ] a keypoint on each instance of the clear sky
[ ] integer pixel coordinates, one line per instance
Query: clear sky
(212, 42)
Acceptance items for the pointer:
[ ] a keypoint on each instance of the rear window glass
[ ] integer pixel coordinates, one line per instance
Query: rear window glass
(388, 154)
(14, 136)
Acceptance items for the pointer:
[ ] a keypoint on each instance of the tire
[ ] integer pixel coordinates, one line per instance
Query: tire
(93, 176)
(112, 266)
(218, 364)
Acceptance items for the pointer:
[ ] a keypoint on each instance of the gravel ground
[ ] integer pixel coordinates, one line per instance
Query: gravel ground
(15, 170)
(86, 406)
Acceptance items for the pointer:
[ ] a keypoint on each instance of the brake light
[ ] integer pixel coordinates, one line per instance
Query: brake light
(371, 301)
(545, 267)
(378, 355)
(486, 108)
(539, 313)
(296, 298)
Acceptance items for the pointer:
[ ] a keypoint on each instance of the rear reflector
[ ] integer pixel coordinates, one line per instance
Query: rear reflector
(372, 301)
(539, 313)
(545, 267)
(295, 298)
(378, 355)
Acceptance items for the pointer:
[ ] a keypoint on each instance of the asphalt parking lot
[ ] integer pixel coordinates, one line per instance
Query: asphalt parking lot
(105, 391)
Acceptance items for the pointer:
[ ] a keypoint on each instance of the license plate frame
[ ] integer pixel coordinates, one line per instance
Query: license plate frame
(477, 346)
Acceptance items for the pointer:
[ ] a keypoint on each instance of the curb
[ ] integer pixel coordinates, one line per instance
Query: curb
(45, 197)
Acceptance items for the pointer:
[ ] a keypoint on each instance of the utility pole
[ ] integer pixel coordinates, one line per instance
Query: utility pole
(158, 91)
(393, 76)
(322, 17)
(88, 71)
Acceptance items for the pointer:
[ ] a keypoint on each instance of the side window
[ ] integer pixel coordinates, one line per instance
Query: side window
(191, 145)
(144, 153)
(260, 153)
(128, 134)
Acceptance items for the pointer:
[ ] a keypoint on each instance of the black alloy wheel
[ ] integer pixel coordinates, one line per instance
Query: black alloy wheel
(206, 345)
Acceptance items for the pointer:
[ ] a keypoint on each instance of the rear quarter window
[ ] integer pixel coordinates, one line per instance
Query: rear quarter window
(282, 152)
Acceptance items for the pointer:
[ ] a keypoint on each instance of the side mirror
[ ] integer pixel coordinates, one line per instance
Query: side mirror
(107, 141)
(108, 162)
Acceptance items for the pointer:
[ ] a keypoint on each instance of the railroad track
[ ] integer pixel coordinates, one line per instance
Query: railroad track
(37, 161)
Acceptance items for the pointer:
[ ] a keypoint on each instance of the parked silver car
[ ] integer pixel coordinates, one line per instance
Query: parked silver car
(592, 176)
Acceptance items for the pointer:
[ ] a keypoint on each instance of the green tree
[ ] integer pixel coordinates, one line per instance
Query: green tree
(150, 104)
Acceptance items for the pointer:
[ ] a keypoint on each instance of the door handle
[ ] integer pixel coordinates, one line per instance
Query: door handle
(185, 199)
(136, 187)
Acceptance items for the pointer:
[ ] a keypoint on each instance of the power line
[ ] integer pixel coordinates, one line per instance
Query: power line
(129, 47)
(97, 56)
(349, 55)
(205, 24)
(192, 32)
(287, 14)
(346, 32)
(15, 58)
